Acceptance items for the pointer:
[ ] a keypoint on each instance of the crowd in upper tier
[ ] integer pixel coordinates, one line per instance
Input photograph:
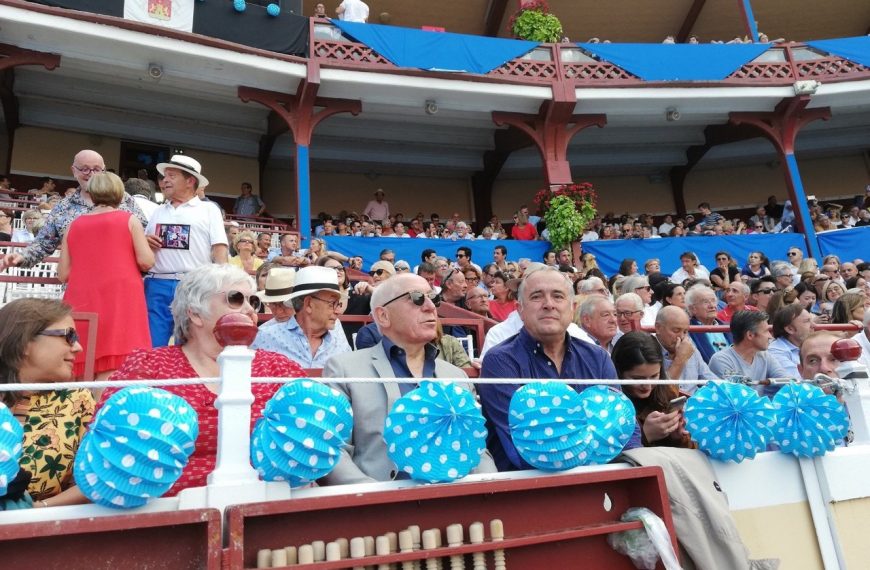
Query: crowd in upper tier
(554, 317)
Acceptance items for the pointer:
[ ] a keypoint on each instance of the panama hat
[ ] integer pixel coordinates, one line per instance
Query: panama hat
(187, 164)
(310, 280)
(279, 285)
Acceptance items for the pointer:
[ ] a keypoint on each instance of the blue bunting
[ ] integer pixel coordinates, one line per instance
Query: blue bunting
(855, 49)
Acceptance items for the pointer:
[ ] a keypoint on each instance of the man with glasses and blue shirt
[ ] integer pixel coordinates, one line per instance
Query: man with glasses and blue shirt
(311, 336)
(404, 310)
(85, 164)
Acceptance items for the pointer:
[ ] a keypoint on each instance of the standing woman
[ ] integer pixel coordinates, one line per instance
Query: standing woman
(110, 283)
(39, 344)
(638, 356)
(246, 258)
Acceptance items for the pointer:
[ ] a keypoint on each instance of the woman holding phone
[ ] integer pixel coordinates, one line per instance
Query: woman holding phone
(638, 356)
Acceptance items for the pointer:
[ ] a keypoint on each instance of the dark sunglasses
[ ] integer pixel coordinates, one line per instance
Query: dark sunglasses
(792, 253)
(418, 298)
(766, 291)
(236, 300)
(69, 335)
(377, 272)
(460, 255)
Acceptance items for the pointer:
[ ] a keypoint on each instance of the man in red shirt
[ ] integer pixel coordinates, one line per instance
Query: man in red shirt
(735, 298)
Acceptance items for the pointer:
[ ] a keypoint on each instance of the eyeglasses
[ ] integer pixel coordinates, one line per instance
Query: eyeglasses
(645, 288)
(472, 278)
(332, 304)
(86, 170)
(245, 241)
(69, 335)
(792, 253)
(236, 300)
(402, 269)
(627, 314)
(377, 272)
(418, 298)
(766, 291)
(460, 255)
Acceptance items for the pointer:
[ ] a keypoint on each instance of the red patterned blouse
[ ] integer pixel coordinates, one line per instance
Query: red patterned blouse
(170, 362)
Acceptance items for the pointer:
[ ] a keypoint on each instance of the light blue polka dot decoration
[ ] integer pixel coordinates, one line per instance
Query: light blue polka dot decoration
(730, 422)
(273, 10)
(239, 5)
(136, 448)
(300, 436)
(554, 427)
(809, 422)
(435, 433)
(11, 437)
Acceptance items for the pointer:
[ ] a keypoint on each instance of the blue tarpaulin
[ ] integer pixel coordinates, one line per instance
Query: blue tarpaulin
(854, 49)
(610, 253)
(409, 249)
(436, 51)
(678, 62)
(848, 243)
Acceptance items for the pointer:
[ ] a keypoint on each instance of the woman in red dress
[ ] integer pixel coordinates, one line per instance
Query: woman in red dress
(102, 255)
(203, 296)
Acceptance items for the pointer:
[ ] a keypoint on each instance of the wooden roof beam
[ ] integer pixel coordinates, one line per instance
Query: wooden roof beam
(494, 16)
(689, 21)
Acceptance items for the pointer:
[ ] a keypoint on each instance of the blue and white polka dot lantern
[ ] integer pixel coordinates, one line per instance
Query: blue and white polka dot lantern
(11, 437)
(809, 422)
(729, 421)
(300, 436)
(273, 10)
(240, 5)
(436, 433)
(554, 427)
(137, 447)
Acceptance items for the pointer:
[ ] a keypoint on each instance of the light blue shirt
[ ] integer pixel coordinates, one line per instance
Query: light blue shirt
(290, 340)
(694, 370)
(788, 355)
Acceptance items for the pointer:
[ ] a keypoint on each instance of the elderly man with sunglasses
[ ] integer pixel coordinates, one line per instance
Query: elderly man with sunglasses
(312, 336)
(404, 309)
(85, 164)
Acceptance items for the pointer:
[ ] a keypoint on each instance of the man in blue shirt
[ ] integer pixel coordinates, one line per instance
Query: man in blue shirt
(542, 349)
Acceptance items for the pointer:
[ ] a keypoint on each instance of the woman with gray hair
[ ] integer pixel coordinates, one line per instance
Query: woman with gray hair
(204, 296)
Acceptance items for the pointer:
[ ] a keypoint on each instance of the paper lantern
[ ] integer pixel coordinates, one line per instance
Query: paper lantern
(436, 432)
(11, 437)
(730, 422)
(137, 447)
(273, 10)
(239, 5)
(809, 422)
(300, 436)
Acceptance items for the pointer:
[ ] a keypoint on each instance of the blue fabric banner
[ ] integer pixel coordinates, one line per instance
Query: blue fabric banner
(849, 243)
(436, 51)
(610, 253)
(409, 249)
(678, 62)
(854, 49)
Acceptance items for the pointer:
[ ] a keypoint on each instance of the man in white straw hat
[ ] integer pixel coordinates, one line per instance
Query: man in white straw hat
(185, 233)
(311, 336)
(378, 210)
(276, 295)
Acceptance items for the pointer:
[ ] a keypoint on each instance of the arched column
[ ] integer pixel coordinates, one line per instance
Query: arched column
(301, 113)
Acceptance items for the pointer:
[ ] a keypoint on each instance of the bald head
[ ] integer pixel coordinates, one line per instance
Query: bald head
(85, 164)
(672, 315)
(395, 286)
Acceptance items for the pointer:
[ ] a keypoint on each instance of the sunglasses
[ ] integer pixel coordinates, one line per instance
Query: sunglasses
(418, 298)
(645, 288)
(460, 255)
(245, 241)
(721, 259)
(792, 253)
(377, 272)
(236, 300)
(69, 335)
(766, 291)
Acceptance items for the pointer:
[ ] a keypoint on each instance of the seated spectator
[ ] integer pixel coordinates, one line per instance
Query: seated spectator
(288, 254)
(671, 294)
(245, 248)
(203, 296)
(725, 272)
(849, 308)
(232, 230)
(682, 360)
(28, 233)
(806, 296)
(404, 311)
(477, 301)
(637, 356)
(593, 286)
(627, 267)
(792, 324)
(709, 220)
(755, 266)
(761, 218)
(450, 349)
(311, 336)
(701, 304)
(690, 269)
(264, 246)
(541, 350)
(653, 265)
(831, 291)
(38, 344)
(783, 275)
(736, 295)
(276, 295)
(5, 225)
(597, 317)
(472, 276)
(748, 356)
(760, 292)
(780, 299)
(629, 312)
(503, 302)
(522, 229)
(639, 284)
(816, 356)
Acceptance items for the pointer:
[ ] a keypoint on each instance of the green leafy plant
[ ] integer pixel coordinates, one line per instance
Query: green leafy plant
(535, 22)
(567, 211)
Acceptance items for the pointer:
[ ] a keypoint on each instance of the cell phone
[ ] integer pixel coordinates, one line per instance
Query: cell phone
(676, 404)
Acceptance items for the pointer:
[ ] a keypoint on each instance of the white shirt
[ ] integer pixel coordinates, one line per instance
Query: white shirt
(146, 205)
(512, 325)
(189, 231)
(355, 11)
(861, 337)
(681, 275)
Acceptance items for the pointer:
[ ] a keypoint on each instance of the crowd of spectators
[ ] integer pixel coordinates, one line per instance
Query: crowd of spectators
(557, 317)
